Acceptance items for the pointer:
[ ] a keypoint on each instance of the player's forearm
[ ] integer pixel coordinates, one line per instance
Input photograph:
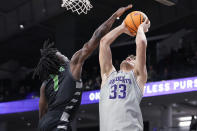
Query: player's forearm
(42, 112)
(141, 37)
(108, 39)
(93, 43)
(100, 32)
(105, 27)
(141, 45)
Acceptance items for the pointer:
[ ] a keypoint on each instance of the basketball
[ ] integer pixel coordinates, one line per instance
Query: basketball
(133, 20)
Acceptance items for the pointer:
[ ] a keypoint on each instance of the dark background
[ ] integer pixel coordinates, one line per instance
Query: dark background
(26, 24)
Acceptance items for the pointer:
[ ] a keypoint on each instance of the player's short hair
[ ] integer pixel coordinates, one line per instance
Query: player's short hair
(49, 62)
(132, 57)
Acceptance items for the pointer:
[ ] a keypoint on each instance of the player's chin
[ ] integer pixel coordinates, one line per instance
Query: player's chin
(130, 65)
(124, 62)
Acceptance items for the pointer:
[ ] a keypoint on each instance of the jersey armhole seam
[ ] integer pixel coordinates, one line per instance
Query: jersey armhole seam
(108, 77)
(135, 80)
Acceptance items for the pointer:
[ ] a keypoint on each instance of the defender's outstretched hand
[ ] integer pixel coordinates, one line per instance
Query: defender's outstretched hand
(121, 10)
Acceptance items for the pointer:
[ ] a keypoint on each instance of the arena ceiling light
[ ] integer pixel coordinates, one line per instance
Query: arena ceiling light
(21, 26)
(184, 123)
(185, 118)
(167, 2)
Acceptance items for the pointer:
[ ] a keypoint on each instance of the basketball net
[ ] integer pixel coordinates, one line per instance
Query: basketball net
(78, 6)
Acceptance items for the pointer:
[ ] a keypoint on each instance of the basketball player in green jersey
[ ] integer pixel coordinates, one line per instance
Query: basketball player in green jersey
(60, 93)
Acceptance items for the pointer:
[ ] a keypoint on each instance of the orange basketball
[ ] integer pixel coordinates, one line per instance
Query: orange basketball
(133, 20)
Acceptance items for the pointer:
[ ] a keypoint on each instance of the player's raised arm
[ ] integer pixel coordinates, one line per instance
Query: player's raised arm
(141, 44)
(43, 106)
(80, 56)
(105, 56)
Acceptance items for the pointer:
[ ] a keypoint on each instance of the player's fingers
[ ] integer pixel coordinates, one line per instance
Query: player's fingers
(121, 10)
(146, 21)
(129, 6)
(149, 24)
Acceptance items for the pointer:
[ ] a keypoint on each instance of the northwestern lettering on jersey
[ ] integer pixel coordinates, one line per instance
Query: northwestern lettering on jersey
(121, 79)
(119, 104)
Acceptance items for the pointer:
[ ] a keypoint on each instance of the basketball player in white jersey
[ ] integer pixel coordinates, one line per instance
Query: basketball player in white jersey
(122, 91)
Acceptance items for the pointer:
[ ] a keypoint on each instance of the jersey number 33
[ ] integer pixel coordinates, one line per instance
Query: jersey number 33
(118, 91)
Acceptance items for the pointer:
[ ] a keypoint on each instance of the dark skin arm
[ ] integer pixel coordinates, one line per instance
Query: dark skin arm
(80, 56)
(43, 106)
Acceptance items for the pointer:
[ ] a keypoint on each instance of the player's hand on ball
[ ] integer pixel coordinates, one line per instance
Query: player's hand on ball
(121, 10)
(145, 25)
(125, 29)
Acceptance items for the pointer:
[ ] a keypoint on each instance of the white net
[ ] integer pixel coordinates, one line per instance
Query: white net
(78, 6)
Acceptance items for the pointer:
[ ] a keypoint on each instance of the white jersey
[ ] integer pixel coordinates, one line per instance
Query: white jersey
(119, 105)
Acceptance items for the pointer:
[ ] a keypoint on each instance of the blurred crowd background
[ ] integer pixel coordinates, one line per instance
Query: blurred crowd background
(178, 63)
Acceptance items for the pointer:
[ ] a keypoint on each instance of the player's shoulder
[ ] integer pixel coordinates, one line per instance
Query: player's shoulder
(42, 88)
(106, 77)
(109, 74)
